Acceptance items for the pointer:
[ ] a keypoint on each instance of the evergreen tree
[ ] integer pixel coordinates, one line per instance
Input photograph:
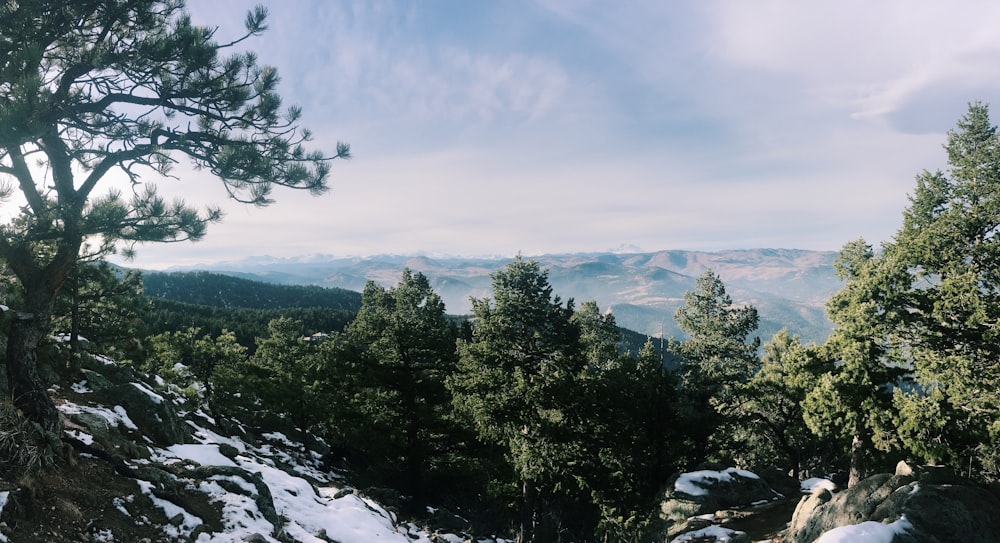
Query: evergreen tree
(94, 86)
(518, 382)
(407, 352)
(599, 336)
(769, 429)
(285, 376)
(853, 399)
(719, 359)
(949, 244)
(190, 360)
(104, 306)
(630, 440)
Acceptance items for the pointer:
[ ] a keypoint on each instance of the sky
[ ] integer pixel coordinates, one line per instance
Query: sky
(555, 126)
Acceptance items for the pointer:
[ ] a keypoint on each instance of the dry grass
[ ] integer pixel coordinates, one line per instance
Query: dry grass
(25, 448)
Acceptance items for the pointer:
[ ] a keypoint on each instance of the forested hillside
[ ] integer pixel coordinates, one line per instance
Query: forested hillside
(201, 300)
(226, 291)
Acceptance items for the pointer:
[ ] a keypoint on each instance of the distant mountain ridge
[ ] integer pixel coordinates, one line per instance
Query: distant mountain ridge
(643, 290)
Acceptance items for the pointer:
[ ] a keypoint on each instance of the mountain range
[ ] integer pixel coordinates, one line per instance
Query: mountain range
(643, 290)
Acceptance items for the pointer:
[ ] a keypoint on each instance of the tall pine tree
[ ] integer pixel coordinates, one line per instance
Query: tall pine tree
(92, 87)
(407, 350)
(518, 383)
(719, 359)
(853, 399)
(950, 244)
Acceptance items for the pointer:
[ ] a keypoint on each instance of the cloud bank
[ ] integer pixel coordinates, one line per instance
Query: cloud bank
(559, 126)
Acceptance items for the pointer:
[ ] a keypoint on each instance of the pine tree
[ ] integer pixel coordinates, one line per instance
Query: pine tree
(719, 359)
(407, 353)
(105, 307)
(92, 87)
(949, 244)
(769, 428)
(852, 400)
(518, 383)
(285, 375)
(190, 360)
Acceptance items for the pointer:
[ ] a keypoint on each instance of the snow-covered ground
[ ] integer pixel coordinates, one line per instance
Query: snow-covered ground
(313, 506)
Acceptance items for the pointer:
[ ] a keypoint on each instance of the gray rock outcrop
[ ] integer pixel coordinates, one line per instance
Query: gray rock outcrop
(939, 507)
(707, 491)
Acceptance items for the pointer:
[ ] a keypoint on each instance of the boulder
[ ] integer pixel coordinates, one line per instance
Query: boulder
(106, 435)
(706, 491)
(936, 504)
(712, 534)
(154, 414)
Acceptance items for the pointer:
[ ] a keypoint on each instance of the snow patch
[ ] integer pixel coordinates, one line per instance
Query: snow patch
(81, 436)
(811, 485)
(4, 496)
(867, 532)
(188, 521)
(115, 417)
(240, 515)
(206, 455)
(81, 387)
(103, 359)
(157, 399)
(348, 519)
(718, 532)
(695, 482)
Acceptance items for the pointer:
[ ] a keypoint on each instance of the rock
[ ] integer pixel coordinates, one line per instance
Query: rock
(706, 491)
(228, 451)
(343, 492)
(96, 381)
(121, 385)
(712, 534)
(780, 481)
(445, 520)
(807, 506)
(198, 530)
(156, 419)
(903, 469)
(392, 500)
(108, 437)
(254, 538)
(935, 502)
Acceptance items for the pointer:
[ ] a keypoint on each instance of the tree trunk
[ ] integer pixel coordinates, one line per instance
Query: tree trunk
(529, 517)
(74, 321)
(858, 449)
(41, 284)
(27, 389)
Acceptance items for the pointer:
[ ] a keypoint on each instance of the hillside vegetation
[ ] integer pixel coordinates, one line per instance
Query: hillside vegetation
(216, 290)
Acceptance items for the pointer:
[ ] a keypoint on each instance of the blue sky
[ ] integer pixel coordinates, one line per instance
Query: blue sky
(491, 128)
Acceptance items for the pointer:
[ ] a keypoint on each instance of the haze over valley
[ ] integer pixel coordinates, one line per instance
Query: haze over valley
(643, 290)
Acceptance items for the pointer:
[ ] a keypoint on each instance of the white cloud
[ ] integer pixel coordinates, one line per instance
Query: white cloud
(556, 126)
(873, 58)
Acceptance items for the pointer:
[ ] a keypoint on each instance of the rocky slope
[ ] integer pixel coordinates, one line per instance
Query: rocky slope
(137, 467)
